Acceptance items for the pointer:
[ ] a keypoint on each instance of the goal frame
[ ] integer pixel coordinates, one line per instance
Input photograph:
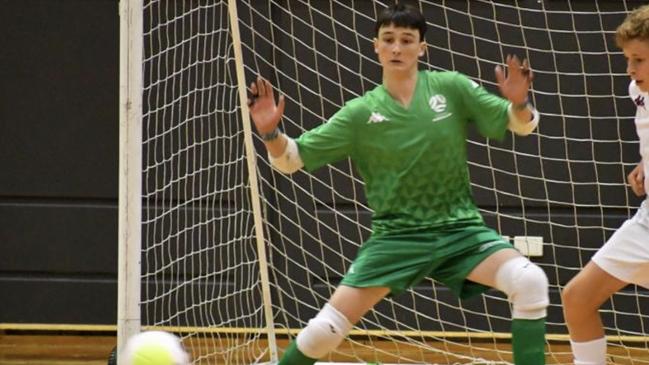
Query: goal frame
(130, 174)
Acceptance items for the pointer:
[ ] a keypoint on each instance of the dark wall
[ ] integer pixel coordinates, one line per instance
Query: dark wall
(58, 157)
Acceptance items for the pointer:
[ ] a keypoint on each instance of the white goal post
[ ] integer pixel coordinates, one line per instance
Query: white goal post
(235, 257)
(130, 170)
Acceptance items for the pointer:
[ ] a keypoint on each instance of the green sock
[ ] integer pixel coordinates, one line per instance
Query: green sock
(528, 341)
(293, 356)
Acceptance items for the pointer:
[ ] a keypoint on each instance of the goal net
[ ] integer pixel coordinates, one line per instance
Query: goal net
(237, 257)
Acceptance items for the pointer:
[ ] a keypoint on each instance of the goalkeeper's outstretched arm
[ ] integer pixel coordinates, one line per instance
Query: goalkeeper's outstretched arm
(523, 118)
(266, 114)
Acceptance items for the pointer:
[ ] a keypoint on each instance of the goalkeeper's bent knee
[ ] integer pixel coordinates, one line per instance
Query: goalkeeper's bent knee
(323, 333)
(526, 286)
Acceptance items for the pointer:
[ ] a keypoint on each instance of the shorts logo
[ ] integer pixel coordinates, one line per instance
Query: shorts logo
(351, 270)
(488, 245)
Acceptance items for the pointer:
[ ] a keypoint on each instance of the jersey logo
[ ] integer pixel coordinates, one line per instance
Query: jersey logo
(442, 116)
(438, 104)
(377, 118)
(639, 101)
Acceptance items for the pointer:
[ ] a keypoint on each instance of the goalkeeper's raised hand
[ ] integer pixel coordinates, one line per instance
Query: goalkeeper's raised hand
(265, 113)
(515, 85)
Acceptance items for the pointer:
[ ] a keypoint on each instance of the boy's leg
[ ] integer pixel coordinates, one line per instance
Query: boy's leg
(528, 341)
(581, 299)
(526, 286)
(330, 326)
(623, 259)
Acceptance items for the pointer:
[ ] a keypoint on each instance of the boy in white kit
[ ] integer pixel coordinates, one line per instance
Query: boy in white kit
(624, 259)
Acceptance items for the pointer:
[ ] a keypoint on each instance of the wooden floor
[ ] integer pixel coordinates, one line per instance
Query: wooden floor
(29, 348)
(55, 349)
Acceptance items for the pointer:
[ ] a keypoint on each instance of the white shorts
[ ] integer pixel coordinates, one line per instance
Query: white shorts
(626, 254)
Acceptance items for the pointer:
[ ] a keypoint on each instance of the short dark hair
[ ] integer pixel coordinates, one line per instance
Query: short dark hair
(402, 15)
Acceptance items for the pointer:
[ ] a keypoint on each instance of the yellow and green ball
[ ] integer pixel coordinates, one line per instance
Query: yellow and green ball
(154, 348)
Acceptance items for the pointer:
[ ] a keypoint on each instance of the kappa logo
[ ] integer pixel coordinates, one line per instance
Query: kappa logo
(377, 117)
(487, 245)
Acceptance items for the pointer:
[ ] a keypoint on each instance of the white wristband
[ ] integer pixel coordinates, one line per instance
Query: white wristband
(289, 161)
(522, 128)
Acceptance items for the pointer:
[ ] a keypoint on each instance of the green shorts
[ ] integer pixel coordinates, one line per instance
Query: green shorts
(401, 261)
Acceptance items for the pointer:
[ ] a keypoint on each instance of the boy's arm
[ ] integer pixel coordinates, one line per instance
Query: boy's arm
(636, 180)
(523, 118)
(266, 115)
(283, 152)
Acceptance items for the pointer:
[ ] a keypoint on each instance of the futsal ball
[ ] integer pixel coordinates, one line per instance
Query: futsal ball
(154, 348)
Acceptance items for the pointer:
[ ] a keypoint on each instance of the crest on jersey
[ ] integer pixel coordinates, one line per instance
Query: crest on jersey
(437, 103)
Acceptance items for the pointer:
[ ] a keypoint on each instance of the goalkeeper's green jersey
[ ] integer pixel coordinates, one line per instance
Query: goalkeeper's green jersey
(412, 159)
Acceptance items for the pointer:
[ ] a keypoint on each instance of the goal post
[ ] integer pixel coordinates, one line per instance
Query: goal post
(236, 257)
(130, 170)
(254, 184)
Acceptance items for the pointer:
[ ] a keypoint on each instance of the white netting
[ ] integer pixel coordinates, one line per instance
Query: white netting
(200, 262)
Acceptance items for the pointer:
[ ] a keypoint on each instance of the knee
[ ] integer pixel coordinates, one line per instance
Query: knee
(526, 286)
(574, 301)
(323, 333)
(530, 296)
(569, 296)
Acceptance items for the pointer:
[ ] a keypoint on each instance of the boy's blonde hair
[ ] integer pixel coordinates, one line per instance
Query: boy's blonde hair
(635, 26)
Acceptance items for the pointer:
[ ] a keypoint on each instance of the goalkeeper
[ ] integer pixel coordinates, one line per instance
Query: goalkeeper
(407, 139)
(624, 259)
